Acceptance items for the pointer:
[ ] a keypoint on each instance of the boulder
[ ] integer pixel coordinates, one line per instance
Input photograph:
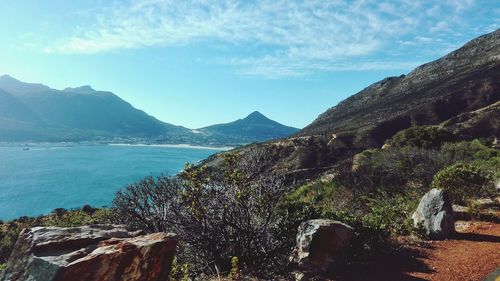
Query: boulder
(96, 252)
(320, 243)
(435, 214)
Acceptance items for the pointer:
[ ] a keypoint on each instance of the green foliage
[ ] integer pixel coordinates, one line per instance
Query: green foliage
(390, 214)
(234, 273)
(373, 216)
(395, 169)
(2, 267)
(470, 150)
(427, 137)
(462, 181)
(179, 272)
(474, 209)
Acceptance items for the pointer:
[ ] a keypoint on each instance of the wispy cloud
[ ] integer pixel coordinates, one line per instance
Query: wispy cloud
(288, 38)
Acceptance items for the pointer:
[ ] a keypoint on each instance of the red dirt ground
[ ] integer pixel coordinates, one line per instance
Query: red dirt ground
(469, 255)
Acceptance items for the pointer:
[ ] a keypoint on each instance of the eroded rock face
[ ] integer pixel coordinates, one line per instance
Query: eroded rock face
(435, 214)
(319, 244)
(98, 252)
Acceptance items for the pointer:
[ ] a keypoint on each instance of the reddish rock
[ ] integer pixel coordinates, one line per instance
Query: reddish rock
(99, 252)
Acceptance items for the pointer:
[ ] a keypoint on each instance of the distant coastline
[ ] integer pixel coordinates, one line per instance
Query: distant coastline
(223, 148)
(90, 143)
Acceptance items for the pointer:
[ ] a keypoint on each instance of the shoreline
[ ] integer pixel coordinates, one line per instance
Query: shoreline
(72, 144)
(222, 148)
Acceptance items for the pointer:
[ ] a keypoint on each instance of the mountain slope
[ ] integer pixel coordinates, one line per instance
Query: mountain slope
(464, 80)
(254, 127)
(460, 92)
(86, 111)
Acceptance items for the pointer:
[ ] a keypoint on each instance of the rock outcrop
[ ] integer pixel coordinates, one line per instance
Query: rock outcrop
(435, 214)
(319, 244)
(97, 252)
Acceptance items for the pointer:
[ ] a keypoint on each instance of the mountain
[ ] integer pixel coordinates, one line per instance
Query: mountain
(459, 92)
(35, 112)
(464, 80)
(72, 114)
(255, 127)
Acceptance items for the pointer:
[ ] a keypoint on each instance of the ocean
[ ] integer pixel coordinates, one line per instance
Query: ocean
(37, 179)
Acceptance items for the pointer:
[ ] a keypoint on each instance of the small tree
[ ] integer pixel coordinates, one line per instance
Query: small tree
(462, 181)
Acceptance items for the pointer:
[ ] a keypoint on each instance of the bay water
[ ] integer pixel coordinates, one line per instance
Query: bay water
(37, 179)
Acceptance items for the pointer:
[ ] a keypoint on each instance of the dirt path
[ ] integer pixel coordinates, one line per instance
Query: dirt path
(470, 255)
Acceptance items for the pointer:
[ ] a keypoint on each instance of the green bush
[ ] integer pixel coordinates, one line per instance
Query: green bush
(390, 214)
(467, 151)
(428, 137)
(395, 169)
(463, 182)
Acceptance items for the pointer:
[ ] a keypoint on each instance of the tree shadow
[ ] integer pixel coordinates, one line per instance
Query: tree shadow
(476, 237)
(391, 264)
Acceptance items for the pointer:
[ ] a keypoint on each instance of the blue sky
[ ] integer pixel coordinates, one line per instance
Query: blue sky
(196, 63)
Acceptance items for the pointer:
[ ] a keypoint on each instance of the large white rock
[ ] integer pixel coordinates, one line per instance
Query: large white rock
(435, 214)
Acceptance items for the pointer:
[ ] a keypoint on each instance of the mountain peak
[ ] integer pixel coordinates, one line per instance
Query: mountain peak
(256, 116)
(7, 78)
(14, 86)
(86, 89)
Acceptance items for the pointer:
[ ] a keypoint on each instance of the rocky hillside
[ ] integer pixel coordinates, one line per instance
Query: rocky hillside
(462, 81)
(460, 91)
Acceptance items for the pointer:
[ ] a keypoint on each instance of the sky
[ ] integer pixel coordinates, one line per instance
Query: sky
(197, 63)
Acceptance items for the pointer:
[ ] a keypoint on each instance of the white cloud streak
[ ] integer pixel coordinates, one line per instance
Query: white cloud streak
(286, 38)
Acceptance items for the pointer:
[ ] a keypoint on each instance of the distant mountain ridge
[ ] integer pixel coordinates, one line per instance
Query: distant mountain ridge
(254, 127)
(35, 112)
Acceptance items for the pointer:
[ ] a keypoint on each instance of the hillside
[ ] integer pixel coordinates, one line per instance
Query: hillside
(459, 91)
(464, 80)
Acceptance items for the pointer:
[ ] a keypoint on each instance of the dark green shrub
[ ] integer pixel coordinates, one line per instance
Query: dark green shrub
(390, 214)
(469, 151)
(462, 181)
(395, 169)
(428, 137)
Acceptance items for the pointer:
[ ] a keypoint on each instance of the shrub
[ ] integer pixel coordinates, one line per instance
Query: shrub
(393, 169)
(427, 137)
(469, 151)
(390, 214)
(217, 218)
(462, 181)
